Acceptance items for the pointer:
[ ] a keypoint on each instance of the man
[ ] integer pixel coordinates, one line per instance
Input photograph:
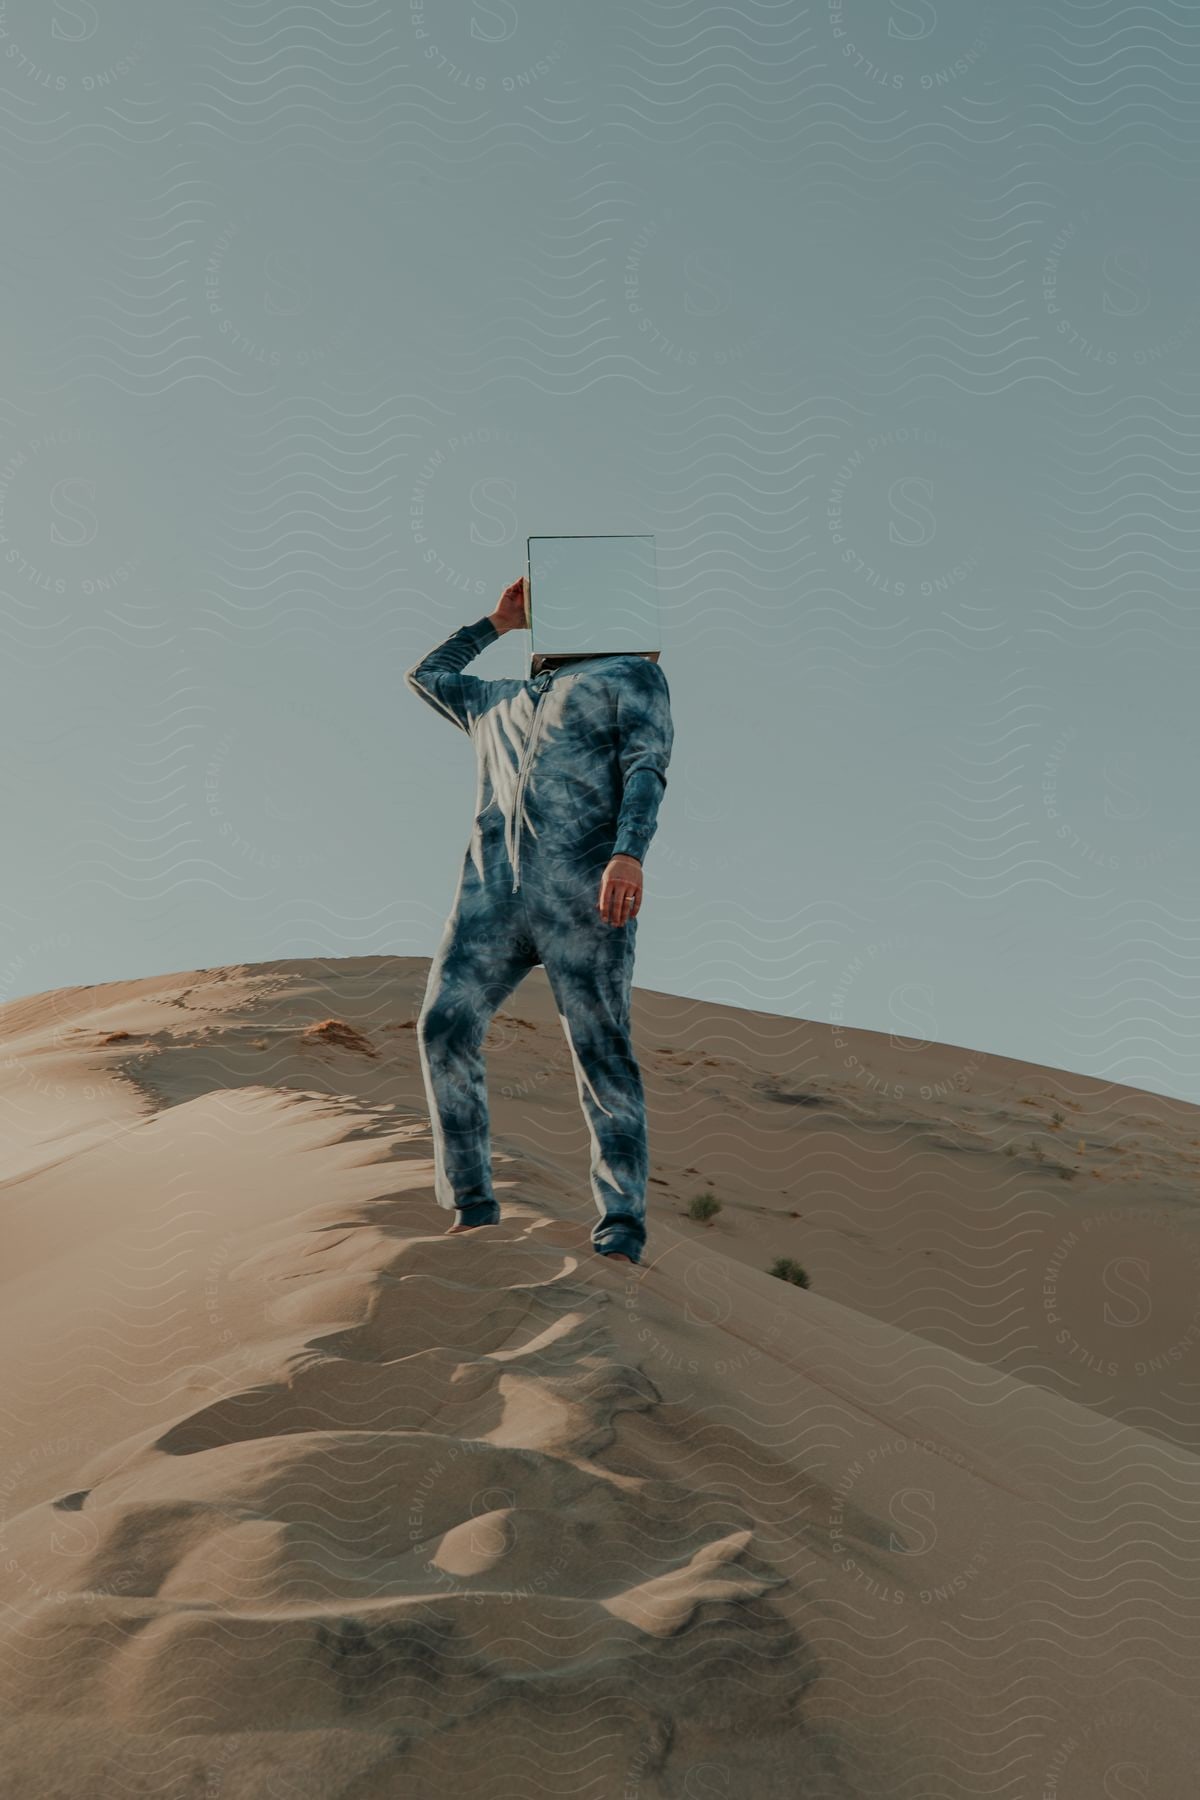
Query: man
(572, 765)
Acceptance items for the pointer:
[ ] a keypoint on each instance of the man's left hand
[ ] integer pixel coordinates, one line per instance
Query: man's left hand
(621, 890)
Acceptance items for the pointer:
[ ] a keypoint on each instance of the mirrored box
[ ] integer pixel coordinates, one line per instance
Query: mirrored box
(592, 596)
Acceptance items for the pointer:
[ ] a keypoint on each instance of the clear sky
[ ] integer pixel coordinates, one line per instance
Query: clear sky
(881, 317)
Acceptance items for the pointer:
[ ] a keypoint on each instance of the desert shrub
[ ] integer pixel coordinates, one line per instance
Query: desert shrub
(787, 1270)
(705, 1206)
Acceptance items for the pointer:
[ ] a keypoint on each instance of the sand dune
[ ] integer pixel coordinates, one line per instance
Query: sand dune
(299, 1497)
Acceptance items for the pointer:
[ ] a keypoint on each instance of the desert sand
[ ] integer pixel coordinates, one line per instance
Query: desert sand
(301, 1498)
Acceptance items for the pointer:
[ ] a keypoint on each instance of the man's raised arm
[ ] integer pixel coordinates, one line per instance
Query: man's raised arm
(438, 677)
(439, 680)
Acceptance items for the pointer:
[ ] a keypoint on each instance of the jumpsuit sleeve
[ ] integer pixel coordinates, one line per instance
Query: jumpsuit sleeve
(645, 735)
(439, 680)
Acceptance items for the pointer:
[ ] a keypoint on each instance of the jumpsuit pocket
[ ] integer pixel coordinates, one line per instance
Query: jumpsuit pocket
(594, 822)
(594, 807)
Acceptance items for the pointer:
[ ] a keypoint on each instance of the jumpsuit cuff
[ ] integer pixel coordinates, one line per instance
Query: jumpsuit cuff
(478, 1212)
(483, 628)
(619, 1234)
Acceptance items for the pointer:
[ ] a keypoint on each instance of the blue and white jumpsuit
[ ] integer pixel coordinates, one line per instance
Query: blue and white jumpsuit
(572, 765)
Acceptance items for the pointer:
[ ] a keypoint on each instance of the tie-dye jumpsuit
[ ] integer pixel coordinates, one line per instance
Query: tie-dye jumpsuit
(572, 765)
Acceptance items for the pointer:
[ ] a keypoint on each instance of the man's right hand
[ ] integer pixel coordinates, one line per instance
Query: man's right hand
(512, 613)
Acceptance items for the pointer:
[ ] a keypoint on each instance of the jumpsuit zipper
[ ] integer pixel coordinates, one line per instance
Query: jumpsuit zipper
(523, 775)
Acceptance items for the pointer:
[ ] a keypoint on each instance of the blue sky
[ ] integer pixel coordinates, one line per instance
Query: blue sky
(880, 318)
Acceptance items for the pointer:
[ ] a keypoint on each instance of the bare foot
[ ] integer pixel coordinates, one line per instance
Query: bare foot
(616, 1256)
(455, 1229)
